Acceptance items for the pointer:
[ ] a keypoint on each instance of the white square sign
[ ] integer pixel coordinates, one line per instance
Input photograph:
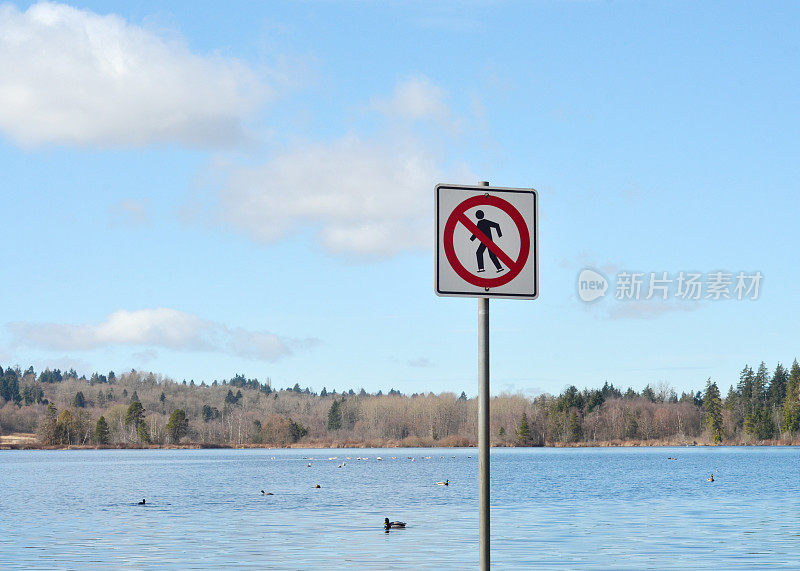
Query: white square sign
(486, 242)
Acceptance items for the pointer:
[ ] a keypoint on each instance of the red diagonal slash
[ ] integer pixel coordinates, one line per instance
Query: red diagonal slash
(510, 264)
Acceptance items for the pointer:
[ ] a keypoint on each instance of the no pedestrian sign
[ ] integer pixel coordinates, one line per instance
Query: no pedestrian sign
(486, 242)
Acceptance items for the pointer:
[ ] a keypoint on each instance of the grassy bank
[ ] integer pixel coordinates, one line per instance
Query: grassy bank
(29, 441)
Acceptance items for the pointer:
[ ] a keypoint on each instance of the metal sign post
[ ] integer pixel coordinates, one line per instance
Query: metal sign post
(483, 431)
(505, 228)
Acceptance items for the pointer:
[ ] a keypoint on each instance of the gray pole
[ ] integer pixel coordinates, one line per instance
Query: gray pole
(483, 429)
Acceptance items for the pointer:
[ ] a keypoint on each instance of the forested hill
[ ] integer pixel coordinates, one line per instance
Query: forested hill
(144, 409)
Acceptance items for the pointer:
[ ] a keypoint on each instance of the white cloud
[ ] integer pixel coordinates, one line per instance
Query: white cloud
(71, 76)
(366, 196)
(363, 198)
(416, 99)
(163, 328)
(132, 212)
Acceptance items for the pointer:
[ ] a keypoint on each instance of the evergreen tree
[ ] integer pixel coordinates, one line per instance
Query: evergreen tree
(524, 431)
(575, 429)
(47, 428)
(791, 402)
(758, 422)
(210, 413)
(177, 425)
(594, 400)
(740, 401)
(745, 386)
(323, 392)
(777, 387)
(134, 414)
(134, 397)
(101, 432)
(64, 428)
(9, 386)
(296, 430)
(335, 415)
(609, 391)
(760, 384)
(32, 394)
(570, 398)
(712, 405)
(143, 433)
(79, 401)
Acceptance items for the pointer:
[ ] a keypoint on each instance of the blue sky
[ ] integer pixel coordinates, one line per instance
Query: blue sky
(201, 189)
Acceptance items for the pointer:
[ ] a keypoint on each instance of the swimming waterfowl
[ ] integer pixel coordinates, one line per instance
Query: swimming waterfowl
(393, 524)
(711, 479)
(263, 493)
(317, 486)
(142, 502)
(445, 483)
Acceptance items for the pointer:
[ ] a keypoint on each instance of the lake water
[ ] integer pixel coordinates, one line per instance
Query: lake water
(587, 508)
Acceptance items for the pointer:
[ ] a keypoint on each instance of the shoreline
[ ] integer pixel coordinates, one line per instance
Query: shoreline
(21, 441)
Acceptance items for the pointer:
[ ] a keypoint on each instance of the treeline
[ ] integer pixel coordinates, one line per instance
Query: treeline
(140, 409)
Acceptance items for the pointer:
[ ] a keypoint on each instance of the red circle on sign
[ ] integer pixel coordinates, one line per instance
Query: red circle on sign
(524, 238)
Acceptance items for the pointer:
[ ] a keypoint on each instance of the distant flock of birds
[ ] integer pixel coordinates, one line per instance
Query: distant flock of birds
(388, 525)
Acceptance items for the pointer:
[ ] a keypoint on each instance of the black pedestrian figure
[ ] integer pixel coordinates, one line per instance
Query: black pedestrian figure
(486, 226)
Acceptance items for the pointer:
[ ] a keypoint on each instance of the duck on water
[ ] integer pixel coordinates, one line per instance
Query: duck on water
(387, 525)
